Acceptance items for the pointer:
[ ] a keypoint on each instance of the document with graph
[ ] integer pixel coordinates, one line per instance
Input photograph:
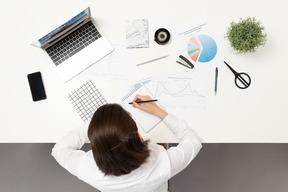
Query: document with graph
(146, 120)
(186, 92)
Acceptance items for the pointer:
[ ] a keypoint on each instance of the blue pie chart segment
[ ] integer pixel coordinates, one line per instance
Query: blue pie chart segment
(209, 48)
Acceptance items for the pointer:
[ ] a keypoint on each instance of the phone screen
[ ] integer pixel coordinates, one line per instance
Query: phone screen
(36, 86)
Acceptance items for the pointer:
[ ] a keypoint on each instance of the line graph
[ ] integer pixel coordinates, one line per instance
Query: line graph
(180, 94)
(114, 66)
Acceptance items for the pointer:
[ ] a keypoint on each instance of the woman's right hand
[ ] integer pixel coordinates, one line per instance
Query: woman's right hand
(150, 107)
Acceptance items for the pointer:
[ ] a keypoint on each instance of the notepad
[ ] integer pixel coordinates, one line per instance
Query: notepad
(146, 120)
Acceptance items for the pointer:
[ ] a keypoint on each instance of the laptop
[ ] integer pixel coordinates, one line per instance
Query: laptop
(75, 45)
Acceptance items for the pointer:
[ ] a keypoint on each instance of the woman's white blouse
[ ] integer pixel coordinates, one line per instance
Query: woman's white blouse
(153, 175)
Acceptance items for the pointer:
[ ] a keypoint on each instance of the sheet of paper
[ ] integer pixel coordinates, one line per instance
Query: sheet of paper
(115, 66)
(179, 93)
(137, 35)
(198, 43)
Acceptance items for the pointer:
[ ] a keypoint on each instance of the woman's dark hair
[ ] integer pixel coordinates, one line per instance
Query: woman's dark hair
(116, 146)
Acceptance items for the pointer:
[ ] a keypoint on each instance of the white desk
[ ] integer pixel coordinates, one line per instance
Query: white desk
(258, 114)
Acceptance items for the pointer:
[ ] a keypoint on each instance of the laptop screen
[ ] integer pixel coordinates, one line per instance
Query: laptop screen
(63, 28)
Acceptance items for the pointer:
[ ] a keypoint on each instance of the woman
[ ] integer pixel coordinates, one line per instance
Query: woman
(120, 160)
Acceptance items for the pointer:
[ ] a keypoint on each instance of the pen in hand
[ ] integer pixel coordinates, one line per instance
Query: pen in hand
(153, 100)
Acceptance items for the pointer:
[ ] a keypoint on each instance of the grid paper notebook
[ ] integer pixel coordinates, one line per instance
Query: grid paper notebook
(146, 120)
(86, 99)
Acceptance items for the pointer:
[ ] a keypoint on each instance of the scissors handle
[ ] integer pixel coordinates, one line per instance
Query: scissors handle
(242, 80)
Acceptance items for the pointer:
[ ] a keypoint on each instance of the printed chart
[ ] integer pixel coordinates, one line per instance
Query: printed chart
(180, 93)
(114, 66)
(201, 48)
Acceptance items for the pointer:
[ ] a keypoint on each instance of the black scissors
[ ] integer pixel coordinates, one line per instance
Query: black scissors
(242, 80)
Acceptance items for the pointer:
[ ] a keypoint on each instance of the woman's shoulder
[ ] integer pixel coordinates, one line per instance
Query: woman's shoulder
(157, 152)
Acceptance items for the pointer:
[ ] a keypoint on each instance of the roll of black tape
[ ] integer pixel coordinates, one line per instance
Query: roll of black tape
(162, 36)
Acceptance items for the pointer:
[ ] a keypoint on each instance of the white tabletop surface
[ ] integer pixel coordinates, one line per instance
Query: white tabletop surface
(257, 114)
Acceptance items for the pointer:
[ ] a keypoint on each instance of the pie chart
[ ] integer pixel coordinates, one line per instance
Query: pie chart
(201, 48)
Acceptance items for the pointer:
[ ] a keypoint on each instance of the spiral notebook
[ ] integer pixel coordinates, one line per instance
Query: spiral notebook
(86, 99)
(146, 120)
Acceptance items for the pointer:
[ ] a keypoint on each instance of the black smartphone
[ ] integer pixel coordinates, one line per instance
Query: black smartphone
(36, 86)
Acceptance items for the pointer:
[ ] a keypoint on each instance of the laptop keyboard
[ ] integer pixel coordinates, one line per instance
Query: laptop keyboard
(73, 43)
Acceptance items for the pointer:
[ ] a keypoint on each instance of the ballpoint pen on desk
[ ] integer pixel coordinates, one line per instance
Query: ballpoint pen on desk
(216, 80)
(152, 60)
(153, 100)
(185, 62)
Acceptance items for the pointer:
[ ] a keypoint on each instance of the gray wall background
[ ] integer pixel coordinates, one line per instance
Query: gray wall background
(217, 168)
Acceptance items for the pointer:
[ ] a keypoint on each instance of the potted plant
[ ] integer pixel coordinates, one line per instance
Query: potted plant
(246, 35)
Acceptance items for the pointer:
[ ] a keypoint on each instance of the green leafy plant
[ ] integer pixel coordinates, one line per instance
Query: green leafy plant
(246, 35)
